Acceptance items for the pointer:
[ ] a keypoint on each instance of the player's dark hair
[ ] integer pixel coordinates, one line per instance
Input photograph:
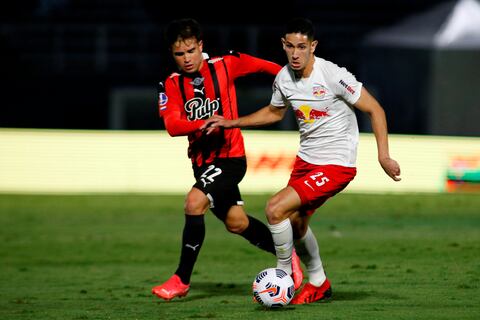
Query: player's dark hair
(301, 25)
(183, 29)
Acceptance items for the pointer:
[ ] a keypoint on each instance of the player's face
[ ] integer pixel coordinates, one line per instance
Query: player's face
(187, 54)
(299, 50)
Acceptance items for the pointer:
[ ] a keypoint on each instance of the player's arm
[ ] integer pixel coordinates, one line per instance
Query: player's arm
(176, 126)
(368, 104)
(169, 106)
(243, 64)
(263, 117)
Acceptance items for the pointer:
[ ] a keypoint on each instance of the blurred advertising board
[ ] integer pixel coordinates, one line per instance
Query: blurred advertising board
(76, 161)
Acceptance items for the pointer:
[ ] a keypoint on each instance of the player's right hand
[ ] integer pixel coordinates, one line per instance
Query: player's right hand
(391, 168)
(212, 123)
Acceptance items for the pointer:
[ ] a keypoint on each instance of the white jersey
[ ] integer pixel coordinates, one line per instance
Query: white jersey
(322, 104)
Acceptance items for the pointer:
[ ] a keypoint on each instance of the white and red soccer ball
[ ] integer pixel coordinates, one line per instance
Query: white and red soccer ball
(273, 287)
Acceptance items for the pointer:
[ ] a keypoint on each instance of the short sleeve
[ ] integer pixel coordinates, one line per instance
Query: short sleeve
(278, 99)
(344, 83)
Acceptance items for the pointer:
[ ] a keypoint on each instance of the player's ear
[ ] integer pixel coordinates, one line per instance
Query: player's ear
(283, 43)
(314, 45)
(200, 45)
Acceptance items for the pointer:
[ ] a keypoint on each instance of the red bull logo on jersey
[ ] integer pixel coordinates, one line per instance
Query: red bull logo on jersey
(319, 91)
(308, 115)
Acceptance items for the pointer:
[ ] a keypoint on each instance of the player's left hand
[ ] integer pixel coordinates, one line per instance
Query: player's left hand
(391, 168)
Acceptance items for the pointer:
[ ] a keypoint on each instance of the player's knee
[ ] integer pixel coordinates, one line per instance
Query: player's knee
(236, 227)
(236, 224)
(274, 212)
(195, 204)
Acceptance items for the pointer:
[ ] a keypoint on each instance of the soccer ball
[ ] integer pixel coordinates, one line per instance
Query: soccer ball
(273, 287)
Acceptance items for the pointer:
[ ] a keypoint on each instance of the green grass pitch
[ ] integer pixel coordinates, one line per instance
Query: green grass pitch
(410, 256)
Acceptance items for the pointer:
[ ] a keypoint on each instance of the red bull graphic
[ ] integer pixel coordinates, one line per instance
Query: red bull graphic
(309, 115)
(319, 91)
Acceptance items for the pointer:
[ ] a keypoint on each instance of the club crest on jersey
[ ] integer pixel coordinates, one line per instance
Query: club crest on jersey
(319, 91)
(197, 108)
(197, 81)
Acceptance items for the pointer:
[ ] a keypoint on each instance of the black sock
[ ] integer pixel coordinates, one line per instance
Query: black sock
(193, 235)
(258, 234)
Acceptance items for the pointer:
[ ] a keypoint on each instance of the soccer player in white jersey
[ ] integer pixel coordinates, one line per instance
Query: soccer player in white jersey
(323, 97)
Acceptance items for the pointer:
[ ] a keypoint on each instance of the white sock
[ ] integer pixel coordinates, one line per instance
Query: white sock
(307, 250)
(283, 240)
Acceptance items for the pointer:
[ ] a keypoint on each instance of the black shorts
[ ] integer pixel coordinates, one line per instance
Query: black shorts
(219, 181)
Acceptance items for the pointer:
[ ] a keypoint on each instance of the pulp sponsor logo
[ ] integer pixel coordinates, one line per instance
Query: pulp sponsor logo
(346, 86)
(197, 108)
(308, 115)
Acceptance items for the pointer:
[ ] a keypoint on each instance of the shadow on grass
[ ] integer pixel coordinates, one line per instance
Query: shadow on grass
(350, 295)
(360, 295)
(282, 309)
(222, 288)
(202, 290)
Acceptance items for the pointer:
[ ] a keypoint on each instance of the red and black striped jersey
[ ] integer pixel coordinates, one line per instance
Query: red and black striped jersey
(185, 100)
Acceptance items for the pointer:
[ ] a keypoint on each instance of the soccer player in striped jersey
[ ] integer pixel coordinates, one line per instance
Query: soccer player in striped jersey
(323, 97)
(201, 88)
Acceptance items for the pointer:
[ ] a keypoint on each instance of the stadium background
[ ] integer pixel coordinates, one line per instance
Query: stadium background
(63, 62)
(95, 64)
